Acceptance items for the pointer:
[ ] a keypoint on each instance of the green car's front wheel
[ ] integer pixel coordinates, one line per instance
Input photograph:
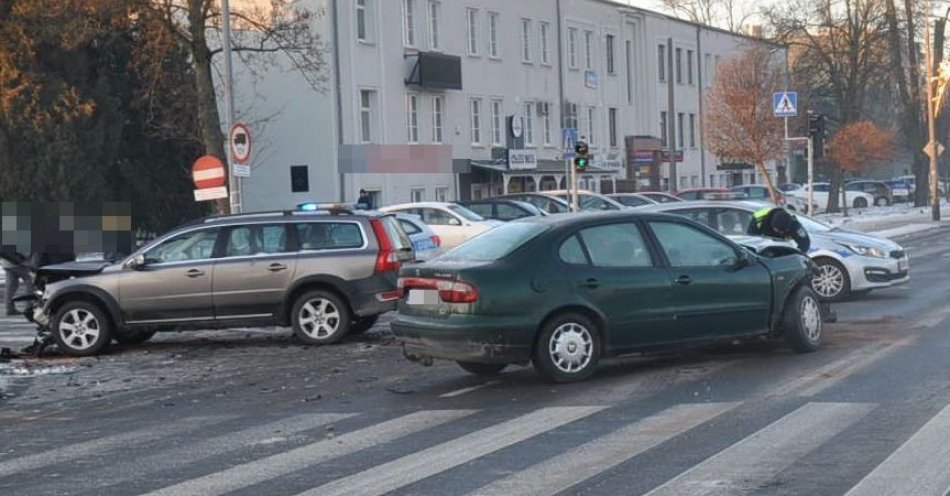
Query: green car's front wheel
(568, 348)
(802, 320)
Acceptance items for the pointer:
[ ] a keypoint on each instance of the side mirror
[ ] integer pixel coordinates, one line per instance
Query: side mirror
(744, 259)
(137, 263)
(454, 222)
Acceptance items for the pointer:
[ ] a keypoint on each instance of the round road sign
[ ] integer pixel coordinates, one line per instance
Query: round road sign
(208, 172)
(240, 141)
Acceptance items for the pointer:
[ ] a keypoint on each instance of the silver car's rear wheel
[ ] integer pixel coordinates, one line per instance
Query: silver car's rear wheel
(320, 317)
(81, 328)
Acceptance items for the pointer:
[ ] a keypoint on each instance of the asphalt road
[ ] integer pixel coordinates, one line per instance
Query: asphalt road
(249, 412)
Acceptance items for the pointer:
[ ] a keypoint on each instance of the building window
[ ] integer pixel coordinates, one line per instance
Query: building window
(472, 26)
(529, 123)
(591, 125)
(496, 122)
(610, 55)
(526, 40)
(434, 8)
(367, 98)
(437, 108)
(694, 181)
(661, 62)
(408, 23)
(612, 125)
(412, 118)
(493, 19)
(679, 66)
(572, 116)
(683, 183)
(545, 58)
(441, 194)
(299, 179)
(689, 66)
(361, 20)
(692, 130)
(476, 112)
(588, 49)
(546, 118)
(629, 59)
(679, 134)
(417, 195)
(663, 129)
(707, 76)
(572, 48)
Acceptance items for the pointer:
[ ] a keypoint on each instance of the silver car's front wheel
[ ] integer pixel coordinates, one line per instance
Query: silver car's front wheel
(81, 328)
(320, 317)
(832, 281)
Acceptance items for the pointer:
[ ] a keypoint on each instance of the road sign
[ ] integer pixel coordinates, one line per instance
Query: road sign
(568, 140)
(208, 172)
(940, 149)
(211, 193)
(785, 104)
(239, 141)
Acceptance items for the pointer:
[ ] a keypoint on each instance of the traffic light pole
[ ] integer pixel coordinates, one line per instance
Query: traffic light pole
(811, 168)
(574, 206)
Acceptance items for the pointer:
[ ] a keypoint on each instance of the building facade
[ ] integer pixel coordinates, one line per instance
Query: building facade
(446, 99)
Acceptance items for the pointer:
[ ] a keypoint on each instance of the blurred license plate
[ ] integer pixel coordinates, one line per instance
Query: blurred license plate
(423, 297)
(902, 265)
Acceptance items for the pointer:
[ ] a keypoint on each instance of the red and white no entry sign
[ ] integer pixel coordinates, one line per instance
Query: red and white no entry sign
(209, 172)
(240, 142)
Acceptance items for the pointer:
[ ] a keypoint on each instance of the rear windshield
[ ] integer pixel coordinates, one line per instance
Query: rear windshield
(495, 243)
(465, 213)
(397, 236)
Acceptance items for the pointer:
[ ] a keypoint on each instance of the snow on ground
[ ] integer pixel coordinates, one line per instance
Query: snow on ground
(895, 220)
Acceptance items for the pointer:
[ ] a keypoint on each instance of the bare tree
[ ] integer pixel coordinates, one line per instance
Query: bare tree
(726, 14)
(740, 125)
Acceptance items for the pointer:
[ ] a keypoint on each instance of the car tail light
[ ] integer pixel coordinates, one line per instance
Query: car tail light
(437, 240)
(449, 291)
(386, 260)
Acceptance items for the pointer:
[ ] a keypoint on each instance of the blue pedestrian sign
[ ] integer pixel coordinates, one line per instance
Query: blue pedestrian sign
(568, 140)
(785, 104)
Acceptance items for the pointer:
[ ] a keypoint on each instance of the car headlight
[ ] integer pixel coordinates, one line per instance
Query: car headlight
(867, 251)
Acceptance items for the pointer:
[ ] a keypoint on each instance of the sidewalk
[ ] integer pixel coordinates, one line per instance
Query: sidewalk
(891, 221)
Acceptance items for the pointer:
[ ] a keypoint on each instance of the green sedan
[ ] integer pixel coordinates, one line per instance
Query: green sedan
(562, 291)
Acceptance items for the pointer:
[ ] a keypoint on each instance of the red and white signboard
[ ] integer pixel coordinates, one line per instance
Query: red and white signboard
(239, 141)
(210, 177)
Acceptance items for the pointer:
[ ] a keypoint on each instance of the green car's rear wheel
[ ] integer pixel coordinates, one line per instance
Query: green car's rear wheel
(568, 348)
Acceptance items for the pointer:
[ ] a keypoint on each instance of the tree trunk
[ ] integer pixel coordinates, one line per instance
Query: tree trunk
(921, 162)
(768, 181)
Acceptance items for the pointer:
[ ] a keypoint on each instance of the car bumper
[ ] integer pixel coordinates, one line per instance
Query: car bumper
(373, 296)
(874, 273)
(464, 338)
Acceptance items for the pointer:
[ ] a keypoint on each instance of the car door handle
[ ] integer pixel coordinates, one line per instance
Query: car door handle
(193, 273)
(276, 267)
(591, 283)
(682, 280)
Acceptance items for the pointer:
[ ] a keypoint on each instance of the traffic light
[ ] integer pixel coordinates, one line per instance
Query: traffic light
(581, 160)
(816, 131)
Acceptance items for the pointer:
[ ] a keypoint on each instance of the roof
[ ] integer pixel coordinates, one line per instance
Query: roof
(743, 204)
(418, 205)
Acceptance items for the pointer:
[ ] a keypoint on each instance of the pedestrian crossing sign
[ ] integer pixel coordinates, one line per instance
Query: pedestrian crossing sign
(785, 104)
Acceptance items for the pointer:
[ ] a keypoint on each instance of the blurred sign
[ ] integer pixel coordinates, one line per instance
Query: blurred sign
(522, 159)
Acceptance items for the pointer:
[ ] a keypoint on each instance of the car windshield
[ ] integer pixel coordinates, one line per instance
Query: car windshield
(465, 213)
(495, 243)
(812, 225)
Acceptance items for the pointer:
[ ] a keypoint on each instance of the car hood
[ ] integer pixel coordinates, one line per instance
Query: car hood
(74, 269)
(757, 243)
(843, 236)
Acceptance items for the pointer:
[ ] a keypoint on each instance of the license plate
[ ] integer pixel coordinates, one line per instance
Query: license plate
(902, 265)
(422, 297)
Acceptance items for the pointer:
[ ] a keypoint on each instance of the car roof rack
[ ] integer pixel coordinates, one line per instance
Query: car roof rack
(318, 209)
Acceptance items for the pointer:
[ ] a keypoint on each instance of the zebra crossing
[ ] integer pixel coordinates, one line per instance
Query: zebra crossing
(16, 332)
(372, 454)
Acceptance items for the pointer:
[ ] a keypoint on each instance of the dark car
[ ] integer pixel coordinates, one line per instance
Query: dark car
(563, 291)
(632, 200)
(502, 209)
(709, 194)
(878, 189)
(661, 197)
(548, 203)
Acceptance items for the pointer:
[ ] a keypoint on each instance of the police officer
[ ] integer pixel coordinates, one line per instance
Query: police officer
(776, 222)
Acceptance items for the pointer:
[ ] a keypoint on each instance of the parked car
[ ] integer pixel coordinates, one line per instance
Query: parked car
(589, 201)
(758, 192)
(786, 187)
(661, 197)
(901, 190)
(848, 262)
(878, 189)
(911, 183)
(453, 223)
(323, 273)
(502, 209)
(632, 200)
(699, 193)
(613, 282)
(426, 244)
(546, 203)
(856, 199)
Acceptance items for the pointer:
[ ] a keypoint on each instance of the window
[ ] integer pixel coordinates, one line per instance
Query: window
(629, 66)
(612, 126)
(483, 209)
(441, 194)
(508, 212)
(663, 129)
(610, 54)
(408, 23)
(409, 227)
(437, 118)
(194, 245)
(571, 252)
(616, 245)
(588, 49)
(526, 40)
(417, 195)
(434, 8)
(251, 240)
(707, 75)
(493, 18)
(679, 66)
(661, 62)
(496, 122)
(545, 58)
(692, 130)
(412, 118)
(687, 247)
(572, 48)
(471, 24)
(572, 115)
(591, 125)
(689, 66)
(476, 111)
(679, 134)
(361, 20)
(734, 222)
(694, 181)
(436, 217)
(529, 123)
(496, 242)
(329, 235)
(366, 115)
(299, 179)
(546, 123)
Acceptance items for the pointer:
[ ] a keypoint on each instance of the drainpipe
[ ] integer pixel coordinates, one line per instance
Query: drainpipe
(671, 113)
(339, 97)
(702, 115)
(562, 104)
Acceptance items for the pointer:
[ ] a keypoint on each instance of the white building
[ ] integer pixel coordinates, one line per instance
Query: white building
(423, 93)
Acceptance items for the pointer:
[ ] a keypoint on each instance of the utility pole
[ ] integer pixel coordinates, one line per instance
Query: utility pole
(234, 183)
(931, 121)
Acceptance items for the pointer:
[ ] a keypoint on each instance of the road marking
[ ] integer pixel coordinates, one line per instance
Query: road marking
(605, 452)
(746, 465)
(68, 452)
(246, 474)
(437, 459)
(920, 466)
(460, 392)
